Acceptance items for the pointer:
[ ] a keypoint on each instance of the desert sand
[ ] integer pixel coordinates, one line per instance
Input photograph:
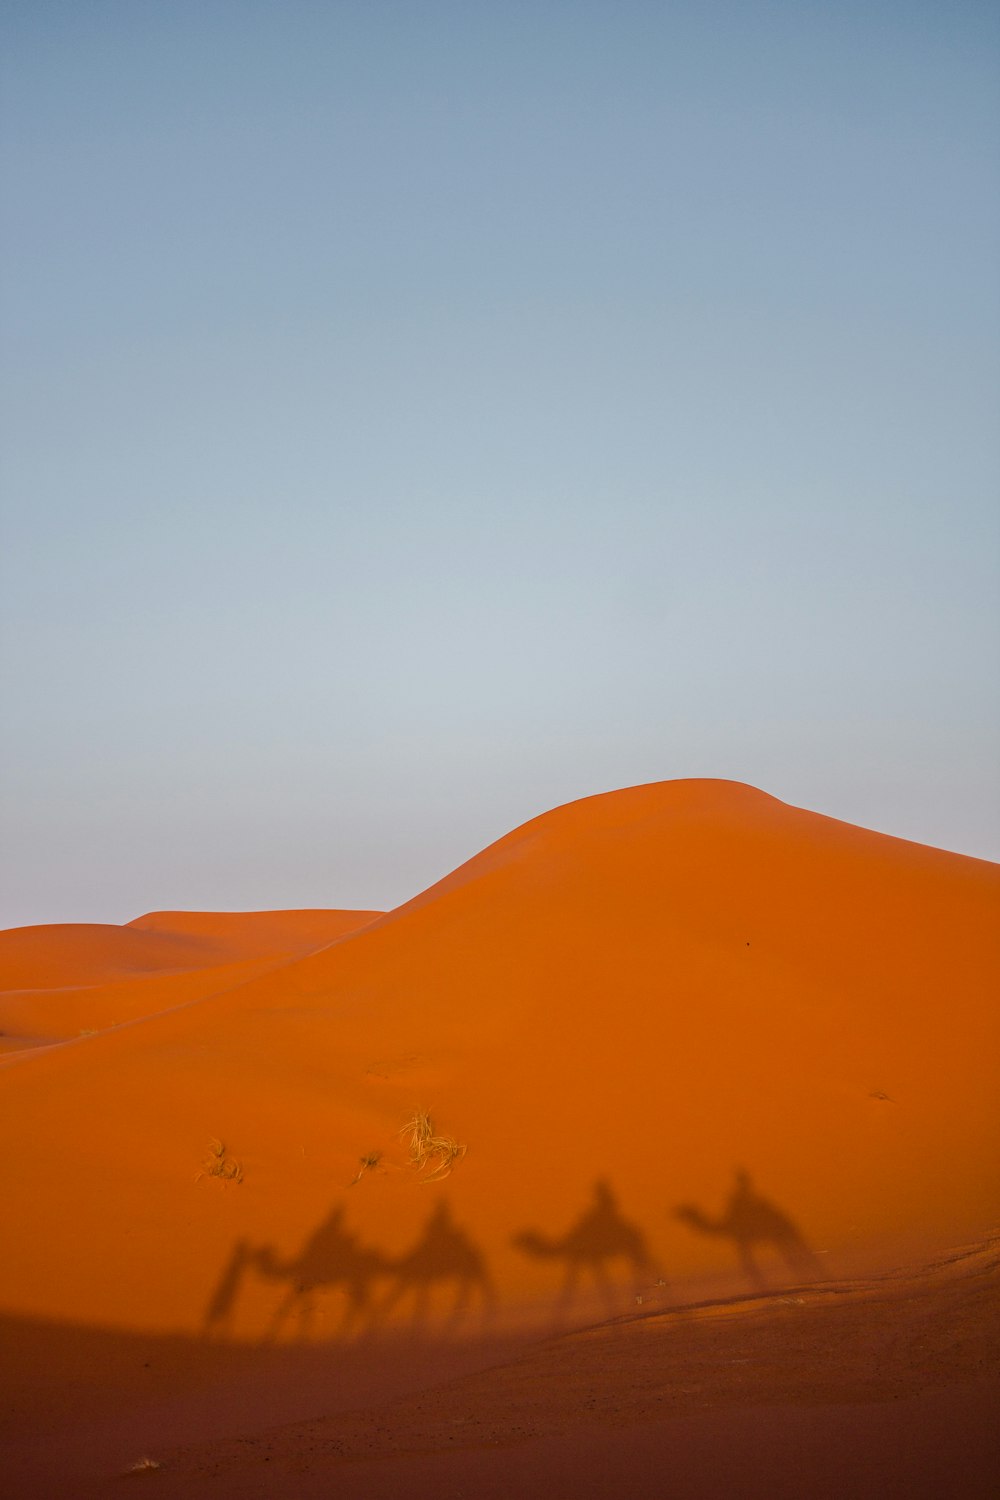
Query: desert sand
(653, 1151)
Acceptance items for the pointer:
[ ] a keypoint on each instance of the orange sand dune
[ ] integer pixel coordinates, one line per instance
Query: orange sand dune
(693, 1041)
(58, 982)
(89, 953)
(256, 933)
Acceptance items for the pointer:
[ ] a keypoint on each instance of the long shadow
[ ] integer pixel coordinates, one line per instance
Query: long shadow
(444, 1258)
(443, 1269)
(331, 1257)
(219, 1313)
(82, 1403)
(754, 1223)
(594, 1249)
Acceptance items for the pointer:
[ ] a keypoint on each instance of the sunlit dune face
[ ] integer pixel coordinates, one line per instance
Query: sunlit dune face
(72, 980)
(678, 1041)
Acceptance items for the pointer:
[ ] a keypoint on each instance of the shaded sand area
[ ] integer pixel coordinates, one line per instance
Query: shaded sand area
(884, 1386)
(310, 1203)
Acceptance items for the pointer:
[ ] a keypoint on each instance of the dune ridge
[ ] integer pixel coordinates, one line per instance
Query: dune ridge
(62, 981)
(638, 995)
(681, 1065)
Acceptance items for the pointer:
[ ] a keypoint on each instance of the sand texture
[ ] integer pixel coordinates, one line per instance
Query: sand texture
(663, 1131)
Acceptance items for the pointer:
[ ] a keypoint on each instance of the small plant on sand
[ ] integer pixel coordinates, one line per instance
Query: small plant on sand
(427, 1149)
(218, 1164)
(370, 1160)
(144, 1466)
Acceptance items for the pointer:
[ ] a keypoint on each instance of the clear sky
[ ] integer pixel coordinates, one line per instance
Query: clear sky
(418, 415)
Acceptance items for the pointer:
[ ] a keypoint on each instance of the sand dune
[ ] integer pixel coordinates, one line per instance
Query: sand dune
(62, 981)
(256, 933)
(687, 1042)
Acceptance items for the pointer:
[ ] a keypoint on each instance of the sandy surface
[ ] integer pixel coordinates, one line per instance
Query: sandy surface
(710, 1077)
(886, 1385)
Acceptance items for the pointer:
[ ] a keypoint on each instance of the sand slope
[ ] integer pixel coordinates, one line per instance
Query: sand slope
(60, 981)
(885, 1385)
(617, 1009)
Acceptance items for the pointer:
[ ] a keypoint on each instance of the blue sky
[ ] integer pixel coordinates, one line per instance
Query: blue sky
(416, 416)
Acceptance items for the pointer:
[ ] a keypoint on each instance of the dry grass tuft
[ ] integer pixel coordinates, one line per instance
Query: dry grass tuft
(427, 1149)
(218, 1164)
(144, 1466)
(369, 1161)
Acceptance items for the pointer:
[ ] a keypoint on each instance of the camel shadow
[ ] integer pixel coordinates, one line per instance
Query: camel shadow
(331, 1257)
(594, 1249)
(443, 1270)
(444, 1265)
(753, 1223)
(219, 1314)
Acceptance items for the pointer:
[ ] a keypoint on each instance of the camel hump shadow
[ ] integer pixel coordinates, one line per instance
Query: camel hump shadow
(752, 1221)
(601, 1239)
(333, 1257)
(443, 1257)
(330, 1257)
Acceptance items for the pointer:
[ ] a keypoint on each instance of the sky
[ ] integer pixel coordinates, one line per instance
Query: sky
(418, 416)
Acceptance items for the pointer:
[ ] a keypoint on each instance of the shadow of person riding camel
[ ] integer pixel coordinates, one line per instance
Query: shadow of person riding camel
(753, 1222)
(333, 1257)
(593, 1248)
(330, 1257)
(443, 1256)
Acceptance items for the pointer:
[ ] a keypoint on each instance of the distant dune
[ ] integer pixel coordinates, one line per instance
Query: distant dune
(673, 1043)
(58, 982)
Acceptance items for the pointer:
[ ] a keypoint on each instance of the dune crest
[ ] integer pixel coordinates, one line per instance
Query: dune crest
(649, 991)
(65, 980)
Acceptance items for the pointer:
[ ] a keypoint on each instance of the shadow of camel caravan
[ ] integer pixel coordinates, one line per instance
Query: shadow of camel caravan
(596, 1250)
(331, 1257)
(443, 1259)
(753, 1223)
(437, 1281)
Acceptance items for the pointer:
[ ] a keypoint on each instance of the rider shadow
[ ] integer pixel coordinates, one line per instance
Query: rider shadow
(332, 1257)
(443, 1273)
(594, 1250)
(751, 1221)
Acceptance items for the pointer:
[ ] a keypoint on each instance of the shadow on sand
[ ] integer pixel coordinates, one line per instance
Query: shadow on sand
(443, 1256)
(598, 1250)
(405, 1415)
(754, 1223)
(442, 1283)
(442, 1278)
